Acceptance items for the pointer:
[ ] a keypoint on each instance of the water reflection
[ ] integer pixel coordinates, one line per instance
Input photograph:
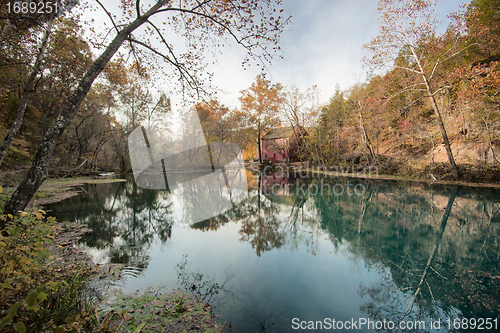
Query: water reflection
(197, 283)
(409, 250)
(125, 221)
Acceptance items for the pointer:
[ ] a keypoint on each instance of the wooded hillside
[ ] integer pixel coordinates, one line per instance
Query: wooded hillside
(426, 89)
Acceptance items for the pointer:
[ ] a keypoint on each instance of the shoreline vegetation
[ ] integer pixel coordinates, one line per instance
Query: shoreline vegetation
(103, 306)
(49, 284)
(472, 175)
(402, 178)
(54, 189)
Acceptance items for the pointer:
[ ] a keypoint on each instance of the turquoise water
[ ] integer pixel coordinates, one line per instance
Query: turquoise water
(302, 253)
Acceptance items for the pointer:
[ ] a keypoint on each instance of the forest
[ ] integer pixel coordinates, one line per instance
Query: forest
(393, 120)
(70, 96)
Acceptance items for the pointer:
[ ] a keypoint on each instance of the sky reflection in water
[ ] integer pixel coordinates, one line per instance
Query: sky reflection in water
(300, 254)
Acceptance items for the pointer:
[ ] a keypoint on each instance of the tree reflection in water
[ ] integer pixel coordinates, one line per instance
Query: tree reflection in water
(125, 221)
(432, 264)
(394, 228)
(272, 219)
(197, 283)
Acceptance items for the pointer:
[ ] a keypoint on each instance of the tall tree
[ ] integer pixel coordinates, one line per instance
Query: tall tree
(408, 33)
(333, 116)
(262, 101)
(299, 111)
(483, 26)
(28, 91)
(358, 97)
(16, 26)
(254, 24)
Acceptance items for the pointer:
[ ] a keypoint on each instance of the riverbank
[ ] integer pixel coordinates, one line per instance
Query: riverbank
(400, 178)
(67, 278)
(53, 189)
(67, 292)
(473, 175)
(150, 311)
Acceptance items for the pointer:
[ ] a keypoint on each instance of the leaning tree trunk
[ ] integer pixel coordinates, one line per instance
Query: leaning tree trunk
(39, 169)
(447, 146)
(28, 91)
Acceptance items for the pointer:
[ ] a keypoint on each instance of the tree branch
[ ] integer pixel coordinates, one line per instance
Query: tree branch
(109, 15)
(138, 7)
(117, 30)
(410, 88)
(409, 69)
(442, 88)
(184, 73)
(214, 20)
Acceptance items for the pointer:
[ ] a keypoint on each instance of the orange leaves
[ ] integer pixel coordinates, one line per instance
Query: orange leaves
(262, 103)
(479, 82)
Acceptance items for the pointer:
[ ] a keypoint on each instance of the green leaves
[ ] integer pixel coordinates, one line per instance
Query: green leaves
(31, 302)
(22, 268)
(20, 327)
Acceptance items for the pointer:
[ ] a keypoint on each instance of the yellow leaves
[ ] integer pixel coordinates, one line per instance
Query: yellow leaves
(42, 296)
(20, 327)
(8, 268)
(40, 214)
(25, 260)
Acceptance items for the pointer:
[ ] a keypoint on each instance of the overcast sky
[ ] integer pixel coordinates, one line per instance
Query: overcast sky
(322, 46)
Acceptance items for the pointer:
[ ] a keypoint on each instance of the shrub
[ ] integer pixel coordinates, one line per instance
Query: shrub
(35, 295)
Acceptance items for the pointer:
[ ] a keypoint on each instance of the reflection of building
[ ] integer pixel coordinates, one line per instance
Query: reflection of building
(275, 184)
(276, 145)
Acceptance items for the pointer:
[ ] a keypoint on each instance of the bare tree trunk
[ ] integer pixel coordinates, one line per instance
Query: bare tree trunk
(447, 146)
(28, 91)
(39, 169)
(258, 144)
(490, 144)
(364, 136)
